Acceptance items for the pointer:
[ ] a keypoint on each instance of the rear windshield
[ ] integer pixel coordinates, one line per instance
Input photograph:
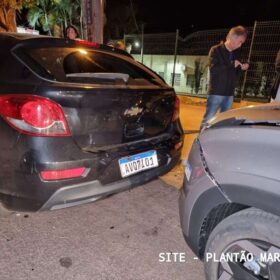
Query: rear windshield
(61, 64)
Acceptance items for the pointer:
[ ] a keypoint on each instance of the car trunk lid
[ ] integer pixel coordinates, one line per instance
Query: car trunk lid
(101, 118)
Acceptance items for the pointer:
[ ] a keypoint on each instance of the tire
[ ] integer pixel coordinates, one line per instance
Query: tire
(253, 231)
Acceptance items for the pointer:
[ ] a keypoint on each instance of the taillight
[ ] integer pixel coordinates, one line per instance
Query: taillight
(33, 115)
(178, 145)
(87, 43)
(176, 109)
(52, 175)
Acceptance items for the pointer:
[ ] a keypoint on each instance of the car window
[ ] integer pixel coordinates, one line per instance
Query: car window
(60, 62)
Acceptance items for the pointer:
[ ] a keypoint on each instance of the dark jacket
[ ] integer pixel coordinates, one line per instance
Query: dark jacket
(223, 74)
(276, 82)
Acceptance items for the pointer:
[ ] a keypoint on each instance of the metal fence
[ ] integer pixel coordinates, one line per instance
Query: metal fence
(185, 67)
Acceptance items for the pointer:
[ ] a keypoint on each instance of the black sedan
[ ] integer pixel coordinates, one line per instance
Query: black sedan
(79, 121)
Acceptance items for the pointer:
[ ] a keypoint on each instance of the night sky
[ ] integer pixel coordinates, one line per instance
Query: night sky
(189, 16)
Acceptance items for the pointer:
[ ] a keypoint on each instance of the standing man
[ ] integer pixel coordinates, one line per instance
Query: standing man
(224, 66)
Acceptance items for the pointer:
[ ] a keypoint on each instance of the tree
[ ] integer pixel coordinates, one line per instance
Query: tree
(67, 12)
(8, 10)
(42, 15)
(45, 14)
(50, 13)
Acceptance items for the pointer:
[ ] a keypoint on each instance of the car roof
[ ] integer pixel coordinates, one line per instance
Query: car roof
(21, 36)
(15, 38)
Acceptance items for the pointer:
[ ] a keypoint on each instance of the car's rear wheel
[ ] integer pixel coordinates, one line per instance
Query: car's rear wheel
(244, 246)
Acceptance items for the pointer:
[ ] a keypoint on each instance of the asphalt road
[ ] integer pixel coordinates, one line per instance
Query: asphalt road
(119, 237)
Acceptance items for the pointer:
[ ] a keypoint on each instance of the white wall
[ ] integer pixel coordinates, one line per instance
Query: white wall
(185, 66)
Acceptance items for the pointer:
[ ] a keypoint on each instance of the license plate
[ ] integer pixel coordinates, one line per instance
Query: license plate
(188, 169)
(137, 163)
